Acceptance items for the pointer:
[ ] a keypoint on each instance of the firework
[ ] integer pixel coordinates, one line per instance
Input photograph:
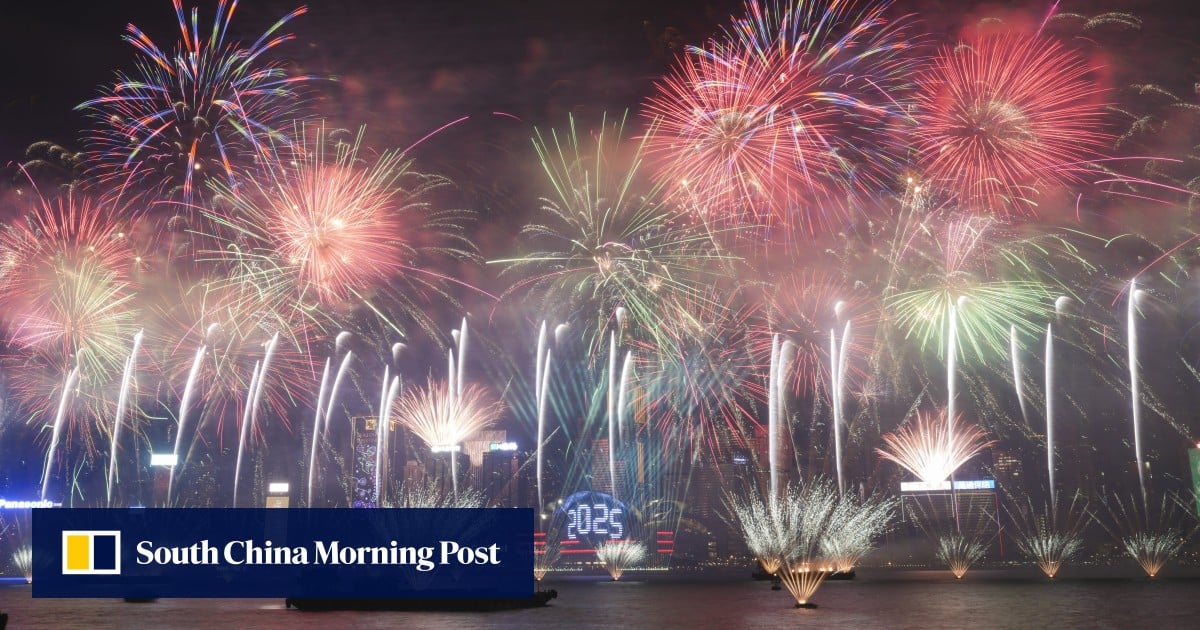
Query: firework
(698, 383)
(65, 281)
(609, 241)
(932, 447)
(431, 494)
(619, 556)
(235, 322)
(1004, 116)
(22, 558)
(767, 526)
(959, 552)
(956, 268)
(791, 533)
(775, 117)
(805, 307)
(325, 228)
(1152, 533)
(855, 525)
(68, 303)
(442, 419)
(1054, 536)
(204, 110)
(814, 509)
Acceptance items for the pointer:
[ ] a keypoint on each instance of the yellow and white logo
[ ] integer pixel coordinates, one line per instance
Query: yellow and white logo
(91, 553)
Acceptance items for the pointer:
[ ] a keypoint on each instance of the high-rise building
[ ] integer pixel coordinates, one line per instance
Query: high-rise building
(499, 477)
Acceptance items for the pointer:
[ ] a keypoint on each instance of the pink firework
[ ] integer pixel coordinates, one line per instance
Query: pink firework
(67, 304)
(65, 280)
(1006, 116)
(779, 121)
(336, 226)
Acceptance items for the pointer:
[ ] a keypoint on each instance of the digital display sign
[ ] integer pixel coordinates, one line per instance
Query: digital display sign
(933, 486)
(593, 517)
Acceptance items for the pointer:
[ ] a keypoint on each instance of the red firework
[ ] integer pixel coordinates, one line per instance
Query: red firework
(1007, 116)
(724, 140)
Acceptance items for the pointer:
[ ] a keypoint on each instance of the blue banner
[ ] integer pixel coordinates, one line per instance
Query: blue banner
(317, 553)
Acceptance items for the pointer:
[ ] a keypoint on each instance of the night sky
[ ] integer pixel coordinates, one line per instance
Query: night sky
(406, 68)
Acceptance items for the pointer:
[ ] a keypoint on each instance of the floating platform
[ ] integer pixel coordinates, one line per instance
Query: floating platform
(483, 604)
(836, 575)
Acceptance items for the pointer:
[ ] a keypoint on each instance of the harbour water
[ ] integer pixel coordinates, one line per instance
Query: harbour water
(879, 598)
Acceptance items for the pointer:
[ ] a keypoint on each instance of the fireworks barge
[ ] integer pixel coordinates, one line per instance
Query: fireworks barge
(481, 604)
(836, 575)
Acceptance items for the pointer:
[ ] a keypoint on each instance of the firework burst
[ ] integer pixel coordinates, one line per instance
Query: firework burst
(337, 229)
(771, 120)
(22, 558)
(805, 307)
(68, 302)
(204, 110)
(235, 323)
(968, 271)
(441, 418)
(1151, 532)
(931, 447)
(430, 493)
(1005, 116)
(959, 552)
(1054, 536)
(697, 379)
(855, 526)
(609, 240)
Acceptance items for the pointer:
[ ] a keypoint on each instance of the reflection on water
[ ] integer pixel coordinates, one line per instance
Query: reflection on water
(879, 598)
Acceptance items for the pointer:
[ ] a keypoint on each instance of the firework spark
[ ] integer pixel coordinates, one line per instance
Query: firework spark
(1005, 116)
(855, 525)
(618, 556)
(443, 419)
(326, 228)
(430, 493)
(1054, 536)
(610, 241)
(956, 267)
(1152, 533)
(773, 119)
(931, 447)
(959, 552)
(204, 110)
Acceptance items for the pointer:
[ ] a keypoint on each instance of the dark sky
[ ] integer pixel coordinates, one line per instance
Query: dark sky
(408, 66)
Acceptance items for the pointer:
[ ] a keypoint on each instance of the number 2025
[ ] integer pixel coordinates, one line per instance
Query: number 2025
(595, 519)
